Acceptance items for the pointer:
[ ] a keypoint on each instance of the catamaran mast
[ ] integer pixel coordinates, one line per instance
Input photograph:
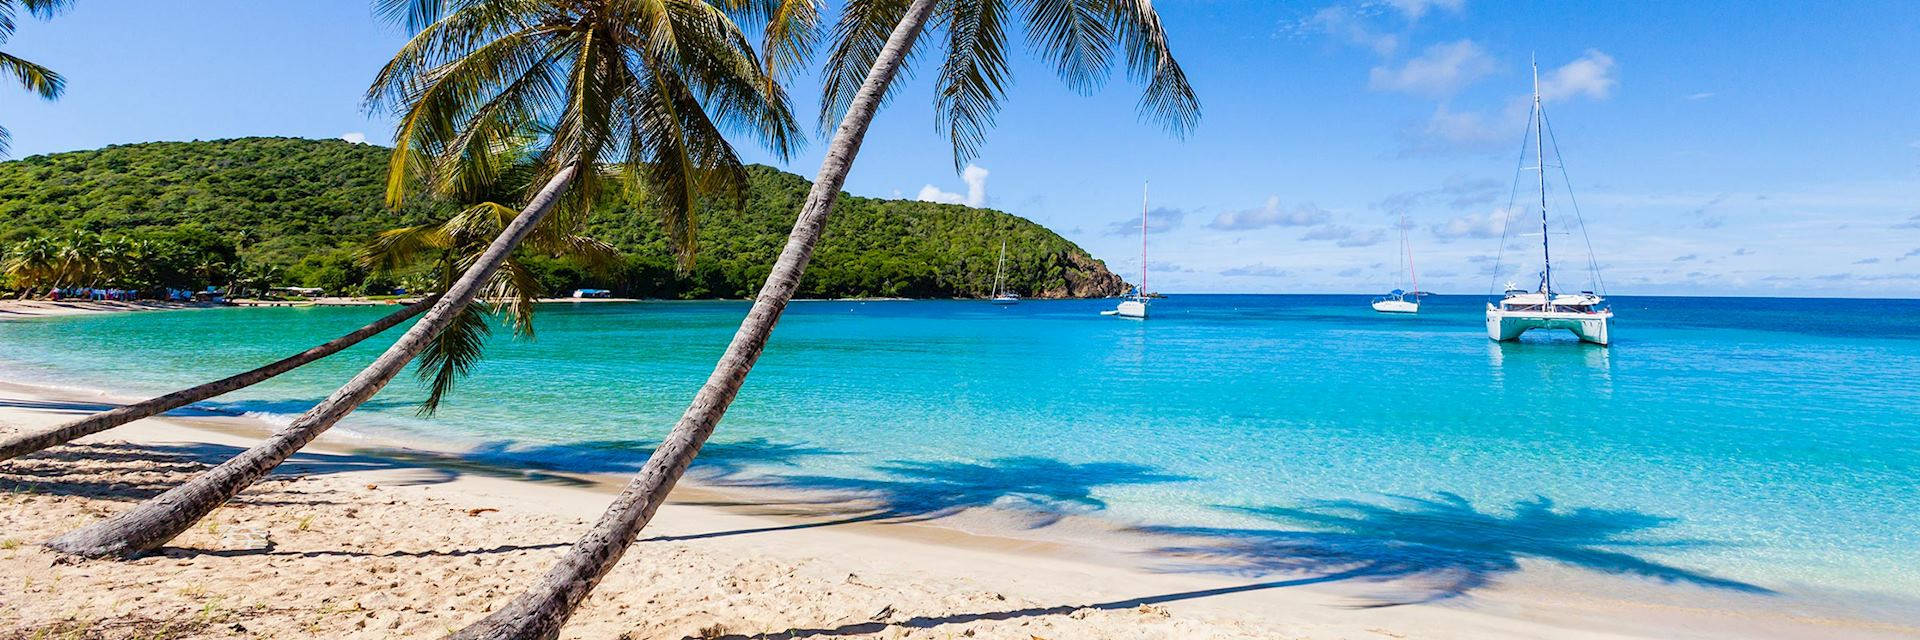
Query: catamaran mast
(1540, 151)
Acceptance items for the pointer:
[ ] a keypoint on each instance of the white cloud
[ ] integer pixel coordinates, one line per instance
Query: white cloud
(1258, 270)
(1701, 96)
(1474, 225)
(1415, 9)
(1345, 236)
(1441, 70)
(1342, 22)
(354, 137)
(976, 179)
(1272, 215)
(1591, 75)
(1160, 220)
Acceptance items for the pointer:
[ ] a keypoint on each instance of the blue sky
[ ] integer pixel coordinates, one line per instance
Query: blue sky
(1756, 148)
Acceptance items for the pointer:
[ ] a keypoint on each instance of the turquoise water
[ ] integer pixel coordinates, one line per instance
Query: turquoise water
(1747, 445)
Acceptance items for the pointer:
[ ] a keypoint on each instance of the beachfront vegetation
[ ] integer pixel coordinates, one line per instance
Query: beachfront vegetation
(301, 210)
(36, 79)
(866, 50)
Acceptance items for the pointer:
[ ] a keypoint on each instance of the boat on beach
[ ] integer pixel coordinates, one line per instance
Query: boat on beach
(1520, 310)
(1135, 303)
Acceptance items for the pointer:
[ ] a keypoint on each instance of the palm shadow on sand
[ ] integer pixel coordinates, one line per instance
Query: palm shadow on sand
(1434, 548)
(1036, 491)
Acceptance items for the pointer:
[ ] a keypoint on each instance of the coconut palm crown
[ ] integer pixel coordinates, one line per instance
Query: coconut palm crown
(34, 78)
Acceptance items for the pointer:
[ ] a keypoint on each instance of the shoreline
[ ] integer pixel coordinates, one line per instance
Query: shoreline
(939, 558)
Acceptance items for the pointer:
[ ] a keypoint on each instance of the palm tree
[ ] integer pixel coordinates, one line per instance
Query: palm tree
(32, 264)
(34, 78)
(870, 44)
(443, 247)
(635, 92)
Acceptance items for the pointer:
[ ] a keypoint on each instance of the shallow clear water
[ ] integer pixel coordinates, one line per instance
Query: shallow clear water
(1743, 444)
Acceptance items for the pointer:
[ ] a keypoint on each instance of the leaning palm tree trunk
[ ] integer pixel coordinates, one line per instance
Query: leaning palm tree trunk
(541, 611)
(22, 444)
(162, 517)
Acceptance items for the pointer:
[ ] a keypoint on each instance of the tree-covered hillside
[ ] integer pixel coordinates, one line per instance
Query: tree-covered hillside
(300, 208)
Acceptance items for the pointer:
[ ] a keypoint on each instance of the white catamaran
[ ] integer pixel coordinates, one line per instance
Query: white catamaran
(1401, 301)
(1519, 310)
(1135, 304)
(1000, 294)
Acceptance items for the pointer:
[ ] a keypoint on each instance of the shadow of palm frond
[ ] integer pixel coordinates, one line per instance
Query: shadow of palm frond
(1040, 491)
(717, 459)
(1439, 548)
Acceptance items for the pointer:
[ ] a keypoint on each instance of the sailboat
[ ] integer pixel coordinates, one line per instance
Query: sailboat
(1520, 310)
(1135, 304)
(1401, 301)
(1000, 294)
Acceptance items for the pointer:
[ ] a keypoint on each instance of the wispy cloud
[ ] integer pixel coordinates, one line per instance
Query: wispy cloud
(1867, 261)
(1256, 270)
(1687, 258)
(1441, 70)
(1344, 236)
(1271, 215)
(976, 179)
(355, 137)
(1414, 10)
(1701, 96)
(1912, 222)
(1909, 254)
(1474, 225)
(1159, 220)
(1350, 25)
(1591, 75)
(1457, 192)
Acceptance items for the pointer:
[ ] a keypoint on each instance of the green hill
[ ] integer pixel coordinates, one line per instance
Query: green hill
(302, 207)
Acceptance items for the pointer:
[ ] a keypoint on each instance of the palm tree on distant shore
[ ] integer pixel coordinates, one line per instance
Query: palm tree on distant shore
(635, 92)
(32, 77)
(871, 43)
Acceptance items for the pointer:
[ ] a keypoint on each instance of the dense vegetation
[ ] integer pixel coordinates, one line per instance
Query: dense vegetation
(298, 210)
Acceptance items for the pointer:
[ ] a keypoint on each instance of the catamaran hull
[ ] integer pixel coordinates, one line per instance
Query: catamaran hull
(1503, 326)
(1396, 306)
(1005, 301)
(1131, 309)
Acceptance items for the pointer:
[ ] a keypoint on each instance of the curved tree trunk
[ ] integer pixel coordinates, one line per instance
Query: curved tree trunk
(22, 444)
(541, 611)
(159, 519)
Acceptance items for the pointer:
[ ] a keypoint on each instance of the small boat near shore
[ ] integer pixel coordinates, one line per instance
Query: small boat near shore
(1135, 304)
(1519, 310)
(1001, 296)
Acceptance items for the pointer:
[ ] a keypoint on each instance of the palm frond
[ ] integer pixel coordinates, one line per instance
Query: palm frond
(33, 77)
(1168, 98)
(453, 353)
(856, 41)
(1074, 34)
(972, 83)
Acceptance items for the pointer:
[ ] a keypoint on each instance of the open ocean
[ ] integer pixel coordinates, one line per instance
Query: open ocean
(1747, 445)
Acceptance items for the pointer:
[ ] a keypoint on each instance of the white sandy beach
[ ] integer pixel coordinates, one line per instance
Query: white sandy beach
(352, 540)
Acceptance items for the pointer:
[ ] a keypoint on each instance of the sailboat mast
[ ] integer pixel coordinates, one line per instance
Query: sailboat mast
(1000, 269)
(1540, 151)
(1407, 246)
(1143, 238)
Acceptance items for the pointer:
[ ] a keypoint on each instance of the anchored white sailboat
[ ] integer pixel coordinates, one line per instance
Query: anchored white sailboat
(1135, 304)
(1401, 301)
(1000, 293)
(1520, 310)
